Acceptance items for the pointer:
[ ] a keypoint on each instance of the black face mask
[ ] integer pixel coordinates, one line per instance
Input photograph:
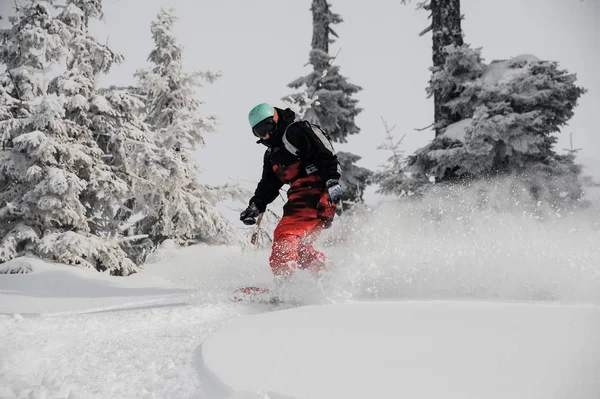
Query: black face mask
(264, 127)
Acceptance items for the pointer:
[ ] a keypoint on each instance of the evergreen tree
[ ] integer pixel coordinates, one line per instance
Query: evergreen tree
(177, 207)
(494, 120)
(54, 162)
(334, 109)
(512, 114)
(86, 109)
(326, 97)
(172, 106)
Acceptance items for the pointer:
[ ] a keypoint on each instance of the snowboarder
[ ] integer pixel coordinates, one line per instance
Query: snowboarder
(301, 155)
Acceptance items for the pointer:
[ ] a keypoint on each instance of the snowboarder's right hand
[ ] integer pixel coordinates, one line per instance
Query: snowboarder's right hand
(248, 216)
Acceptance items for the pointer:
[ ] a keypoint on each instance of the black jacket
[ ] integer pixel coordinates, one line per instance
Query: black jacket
(303, 147)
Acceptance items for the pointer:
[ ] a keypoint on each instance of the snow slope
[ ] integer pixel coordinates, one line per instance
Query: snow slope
(148, 352)
(73, 333)
(413, 350)
(470, 277)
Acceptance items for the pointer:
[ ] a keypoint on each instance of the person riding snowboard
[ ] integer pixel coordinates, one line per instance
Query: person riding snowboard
(301, 155)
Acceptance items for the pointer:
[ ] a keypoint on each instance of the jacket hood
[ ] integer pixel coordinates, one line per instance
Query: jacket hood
(286, 118)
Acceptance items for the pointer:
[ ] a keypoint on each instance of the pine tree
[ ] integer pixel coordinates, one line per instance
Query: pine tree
(55, 166)
(86, 109)
(494, 119)
(516, 106)
(334, 109)
(177, 207)
(172, 107)
(18, 87)
(325, 97)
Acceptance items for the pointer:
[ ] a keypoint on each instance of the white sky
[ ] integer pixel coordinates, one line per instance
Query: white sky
(262, 45)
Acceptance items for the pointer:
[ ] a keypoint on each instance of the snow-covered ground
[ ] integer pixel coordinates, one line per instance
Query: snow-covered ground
(448, 297)
(411, 349)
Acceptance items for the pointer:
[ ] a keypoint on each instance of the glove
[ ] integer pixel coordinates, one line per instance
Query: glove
(248, 216)
(334, 191)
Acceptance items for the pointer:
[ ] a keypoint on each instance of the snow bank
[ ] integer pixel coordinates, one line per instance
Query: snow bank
(411, 349)
(502, 71)
(200, 274)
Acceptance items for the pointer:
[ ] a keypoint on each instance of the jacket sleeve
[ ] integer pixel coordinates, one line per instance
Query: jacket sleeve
(268, 186)
(312, 146)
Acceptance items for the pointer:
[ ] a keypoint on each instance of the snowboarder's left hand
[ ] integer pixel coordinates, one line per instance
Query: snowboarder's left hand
(248, 216)
(334, 191)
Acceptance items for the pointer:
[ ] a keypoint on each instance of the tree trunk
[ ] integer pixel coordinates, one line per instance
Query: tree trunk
(446, 31)
(320, 12)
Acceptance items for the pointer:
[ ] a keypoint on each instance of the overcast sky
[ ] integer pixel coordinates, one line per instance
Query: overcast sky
(262, 45)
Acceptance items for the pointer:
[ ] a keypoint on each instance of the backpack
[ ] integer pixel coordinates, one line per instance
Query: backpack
(317, 130)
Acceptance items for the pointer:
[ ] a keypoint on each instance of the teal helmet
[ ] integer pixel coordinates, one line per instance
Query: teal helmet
(263, 119)
(260, 113)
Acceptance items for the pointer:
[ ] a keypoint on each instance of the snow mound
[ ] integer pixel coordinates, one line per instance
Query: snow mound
(503, 71)
(412, 349)
(16, 266)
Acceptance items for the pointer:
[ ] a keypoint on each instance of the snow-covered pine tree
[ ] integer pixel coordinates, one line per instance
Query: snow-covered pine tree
(53, 159)
(460, 75)
(19, 86)
(178, 207)
(172, 104)
(494, 120)
(518, 106)
(86, 108)
(327, 97)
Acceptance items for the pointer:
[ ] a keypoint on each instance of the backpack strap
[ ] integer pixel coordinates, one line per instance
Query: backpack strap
(289, 146)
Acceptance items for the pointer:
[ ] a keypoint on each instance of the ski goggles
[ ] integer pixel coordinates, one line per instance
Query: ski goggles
(264, 127)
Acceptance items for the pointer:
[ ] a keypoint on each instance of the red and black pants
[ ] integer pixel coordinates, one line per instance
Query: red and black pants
(305, 215)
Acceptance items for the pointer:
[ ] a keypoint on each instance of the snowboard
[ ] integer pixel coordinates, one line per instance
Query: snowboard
(255, 295)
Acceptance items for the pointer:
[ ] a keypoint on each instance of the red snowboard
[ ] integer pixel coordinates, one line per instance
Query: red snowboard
(254, 295)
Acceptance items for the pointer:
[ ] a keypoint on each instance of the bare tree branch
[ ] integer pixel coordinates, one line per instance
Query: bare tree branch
(426, 30)
(385, 125)
(425, 128)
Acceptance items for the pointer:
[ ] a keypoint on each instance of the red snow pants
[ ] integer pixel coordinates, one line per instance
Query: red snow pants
(305, 215)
